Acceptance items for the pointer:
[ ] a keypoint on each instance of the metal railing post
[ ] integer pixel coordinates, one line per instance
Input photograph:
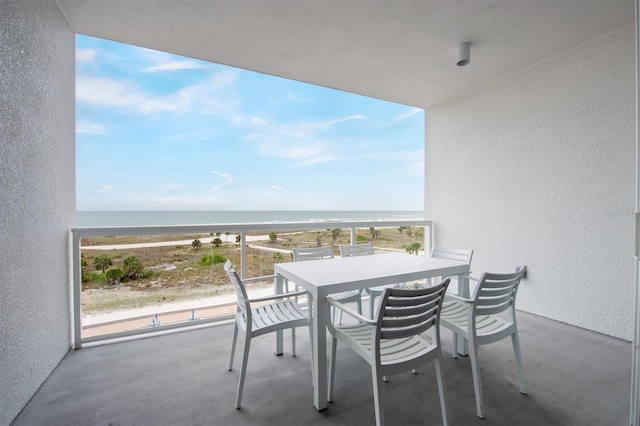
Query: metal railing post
(243, 254)
(77, 290)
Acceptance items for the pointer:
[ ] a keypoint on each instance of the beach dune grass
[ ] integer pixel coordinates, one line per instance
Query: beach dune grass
(179, 273)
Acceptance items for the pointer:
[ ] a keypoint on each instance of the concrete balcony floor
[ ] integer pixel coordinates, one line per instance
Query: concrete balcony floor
(573, 377)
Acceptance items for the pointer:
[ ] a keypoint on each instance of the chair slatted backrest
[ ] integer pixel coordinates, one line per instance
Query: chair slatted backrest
(452, 254)
(406, 312)
(312, 253)
(238, 287)
(496, 293)
(356, 249)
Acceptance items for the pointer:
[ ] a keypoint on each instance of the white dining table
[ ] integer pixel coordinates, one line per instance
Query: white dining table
(324, 277)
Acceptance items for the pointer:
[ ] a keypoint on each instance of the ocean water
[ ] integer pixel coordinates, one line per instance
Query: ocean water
(155, 218)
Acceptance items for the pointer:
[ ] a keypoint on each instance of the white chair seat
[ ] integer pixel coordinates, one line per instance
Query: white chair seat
(268, 318)
(392, 351)
(457, 316)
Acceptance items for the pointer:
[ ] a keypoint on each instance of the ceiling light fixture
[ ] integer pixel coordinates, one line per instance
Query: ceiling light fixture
(464, 54)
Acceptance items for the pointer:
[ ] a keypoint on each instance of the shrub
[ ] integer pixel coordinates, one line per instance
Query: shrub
(361, 239)
(278, 257)
(102, 262)
(273, 237)
(132, 267)
(196, 244)
(216, 242)
(413, 248)
(212, 259)
(114, 275)
(148, 273)
(97, 277)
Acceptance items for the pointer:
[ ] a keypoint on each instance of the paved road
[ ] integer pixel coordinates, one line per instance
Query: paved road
(170, 243)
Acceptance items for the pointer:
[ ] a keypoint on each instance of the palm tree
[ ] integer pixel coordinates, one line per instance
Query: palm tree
(102, 261)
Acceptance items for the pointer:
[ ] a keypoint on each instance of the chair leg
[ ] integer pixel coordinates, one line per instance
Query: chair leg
(455, 345)
(293, 341)
(377, 387)
(516, 350)
(442, 391)
(243, 369)
(233, 345)
(332, 369)
(477, 382)
(372, 302)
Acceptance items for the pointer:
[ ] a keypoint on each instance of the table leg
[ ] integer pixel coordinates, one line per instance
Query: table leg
(463, 290)
(279, 333)
(320, 353)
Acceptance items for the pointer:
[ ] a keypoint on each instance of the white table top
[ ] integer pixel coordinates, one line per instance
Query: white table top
(326, 276)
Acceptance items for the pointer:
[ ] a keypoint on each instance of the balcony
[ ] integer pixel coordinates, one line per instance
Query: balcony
(178, 375)
(573, 376)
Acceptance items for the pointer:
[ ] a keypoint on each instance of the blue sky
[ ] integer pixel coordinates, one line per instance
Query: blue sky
(156, 131)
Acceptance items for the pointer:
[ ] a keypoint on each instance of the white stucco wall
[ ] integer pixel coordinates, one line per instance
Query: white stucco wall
(538, 169)
(37, 195)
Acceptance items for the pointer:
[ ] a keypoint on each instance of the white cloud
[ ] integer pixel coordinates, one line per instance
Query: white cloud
(86, 127)
(334, 121)
(85, 55)
(299, 142)
(258, 120)
(226, 180)
(128, 97)
(176, 66)
(409, 113)
(107, 92)
(276, 187)
(106, 189)
(305, 153)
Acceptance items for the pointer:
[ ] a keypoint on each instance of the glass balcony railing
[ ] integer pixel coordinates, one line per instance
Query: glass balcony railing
(134, 280)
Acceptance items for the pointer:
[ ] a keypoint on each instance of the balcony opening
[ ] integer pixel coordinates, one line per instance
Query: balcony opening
(164, 140)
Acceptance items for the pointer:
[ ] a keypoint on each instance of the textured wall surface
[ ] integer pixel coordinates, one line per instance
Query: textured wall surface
(37, 195)
(538, 169)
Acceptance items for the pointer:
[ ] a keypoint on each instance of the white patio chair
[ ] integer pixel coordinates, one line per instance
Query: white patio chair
(364, 250)
(281, 313)
(326, 252)
(487, 317)
(437, 252)
(392, 343)
(461, 255)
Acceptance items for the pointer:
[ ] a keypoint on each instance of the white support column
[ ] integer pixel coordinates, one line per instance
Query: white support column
(77, 291)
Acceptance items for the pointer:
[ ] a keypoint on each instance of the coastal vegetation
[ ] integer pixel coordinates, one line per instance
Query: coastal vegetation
(125, 278)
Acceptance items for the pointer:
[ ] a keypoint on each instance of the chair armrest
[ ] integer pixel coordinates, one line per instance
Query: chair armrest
(279, 296)
(458, 298)
(250, 280)
(359, 317)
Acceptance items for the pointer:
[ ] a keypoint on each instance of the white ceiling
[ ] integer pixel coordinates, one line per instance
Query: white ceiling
(398, 50)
